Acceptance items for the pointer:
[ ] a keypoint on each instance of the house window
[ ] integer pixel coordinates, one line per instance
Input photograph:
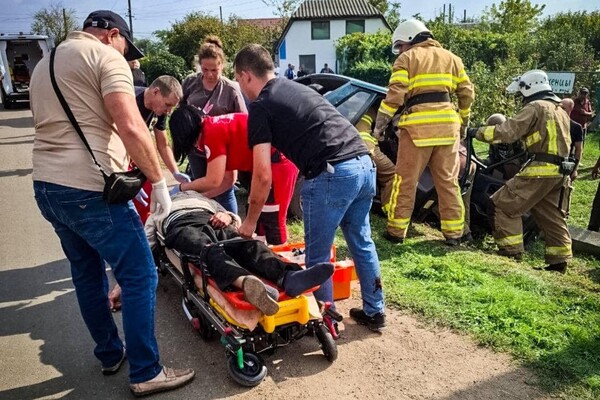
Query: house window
(355, 26)
(320, 30)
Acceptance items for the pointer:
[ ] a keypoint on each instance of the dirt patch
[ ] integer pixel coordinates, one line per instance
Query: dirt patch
(407, 361)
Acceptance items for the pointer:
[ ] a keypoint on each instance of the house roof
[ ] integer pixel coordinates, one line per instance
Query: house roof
(263, 22)
(332, 9)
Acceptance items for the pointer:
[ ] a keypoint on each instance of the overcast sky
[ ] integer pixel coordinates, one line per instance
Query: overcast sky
(151, 15)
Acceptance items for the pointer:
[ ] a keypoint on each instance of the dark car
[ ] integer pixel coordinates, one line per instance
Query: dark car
(352, 98)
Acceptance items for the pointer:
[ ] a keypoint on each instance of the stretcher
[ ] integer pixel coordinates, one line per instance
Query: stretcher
(244, 331)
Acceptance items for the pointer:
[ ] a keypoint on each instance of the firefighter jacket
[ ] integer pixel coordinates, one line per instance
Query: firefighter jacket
(543, 126)
(364, 127)
(428, 68)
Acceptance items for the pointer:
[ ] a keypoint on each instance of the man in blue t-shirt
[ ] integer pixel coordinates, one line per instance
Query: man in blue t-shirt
(339, 175)
(155, 103)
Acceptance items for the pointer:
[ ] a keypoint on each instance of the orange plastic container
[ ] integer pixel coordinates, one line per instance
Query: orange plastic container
(342, 277)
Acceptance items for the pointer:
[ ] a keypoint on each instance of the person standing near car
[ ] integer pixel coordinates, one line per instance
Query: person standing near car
(339, 175)
(92, 73)
(423, 78)
(215, 95)
(543, 186)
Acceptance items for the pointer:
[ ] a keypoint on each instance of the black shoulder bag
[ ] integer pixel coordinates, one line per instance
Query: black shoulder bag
(119, 187)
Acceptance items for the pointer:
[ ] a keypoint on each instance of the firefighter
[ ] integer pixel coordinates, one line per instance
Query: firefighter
(385, 167)
(423, 77)
(543, 185)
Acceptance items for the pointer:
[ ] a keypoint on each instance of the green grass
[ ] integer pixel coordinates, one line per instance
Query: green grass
(549, 322)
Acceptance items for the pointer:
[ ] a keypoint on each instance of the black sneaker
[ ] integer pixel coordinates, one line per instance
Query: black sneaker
(375, 323)
(393, 239)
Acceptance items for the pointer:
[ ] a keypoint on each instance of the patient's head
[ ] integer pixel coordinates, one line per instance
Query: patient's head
(185, 125)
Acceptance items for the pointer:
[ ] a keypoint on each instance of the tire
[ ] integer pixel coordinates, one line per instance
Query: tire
(252, 374)
(5, 101)
(295, 209)
(328, 345)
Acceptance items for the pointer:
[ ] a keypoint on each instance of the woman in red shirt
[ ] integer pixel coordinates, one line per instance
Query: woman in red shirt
(224, 139)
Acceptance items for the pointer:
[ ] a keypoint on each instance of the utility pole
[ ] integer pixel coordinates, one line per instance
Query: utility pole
(64, 24)
(130, 18)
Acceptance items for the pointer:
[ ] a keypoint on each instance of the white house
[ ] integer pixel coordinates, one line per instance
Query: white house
(309, 38)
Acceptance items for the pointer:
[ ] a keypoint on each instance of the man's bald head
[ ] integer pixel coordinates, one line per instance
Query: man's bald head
(567, 105)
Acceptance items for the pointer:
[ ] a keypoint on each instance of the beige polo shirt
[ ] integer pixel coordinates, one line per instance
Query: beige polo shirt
(86, 70)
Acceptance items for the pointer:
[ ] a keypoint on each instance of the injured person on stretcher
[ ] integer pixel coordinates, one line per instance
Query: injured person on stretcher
(196, 222)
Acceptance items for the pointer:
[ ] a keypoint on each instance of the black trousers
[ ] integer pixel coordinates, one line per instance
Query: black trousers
(594, 224)
(191, 233)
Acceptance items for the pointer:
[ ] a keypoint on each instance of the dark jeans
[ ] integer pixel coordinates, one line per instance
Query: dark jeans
(594, 224)
(228, 261)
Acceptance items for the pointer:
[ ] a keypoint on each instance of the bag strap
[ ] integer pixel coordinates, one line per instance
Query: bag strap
(69, 113)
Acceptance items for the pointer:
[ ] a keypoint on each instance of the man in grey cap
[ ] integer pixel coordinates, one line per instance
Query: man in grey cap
(91, 71)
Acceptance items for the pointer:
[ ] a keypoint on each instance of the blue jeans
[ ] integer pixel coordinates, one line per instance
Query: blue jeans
(227, 200)
(91, 232)
(343, 198)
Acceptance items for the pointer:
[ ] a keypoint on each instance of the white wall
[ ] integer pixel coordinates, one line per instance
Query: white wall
(298, 42)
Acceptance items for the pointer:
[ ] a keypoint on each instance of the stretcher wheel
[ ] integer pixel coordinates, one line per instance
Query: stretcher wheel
(252, 374)
(328, 345)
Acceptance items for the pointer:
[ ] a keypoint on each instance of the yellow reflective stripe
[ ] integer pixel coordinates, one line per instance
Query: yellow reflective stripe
(387, 110)
(366, 136)
(540, 170)
(533, 138)
(399, 223)
(462, 76)
(488, 133)
(423, 80)
(453, 225)
(400, 76)
(394, 195)
(510, 240)
(464, 113)
(429, 117)
(552, 138)
(367, 118)
(443, 141)
(558, 250)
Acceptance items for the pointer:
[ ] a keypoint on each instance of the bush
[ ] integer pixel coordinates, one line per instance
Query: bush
(163, 63)
(374, 71)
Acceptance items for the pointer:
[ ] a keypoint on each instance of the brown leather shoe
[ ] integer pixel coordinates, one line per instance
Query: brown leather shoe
(167, 379)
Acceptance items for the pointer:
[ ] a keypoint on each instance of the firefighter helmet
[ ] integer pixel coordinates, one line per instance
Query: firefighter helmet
(530, 83)
(406, 32)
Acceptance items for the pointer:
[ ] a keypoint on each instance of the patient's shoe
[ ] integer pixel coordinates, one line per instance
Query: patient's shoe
(258, 294)
(272, 292)
(167, 379)
(297, 282)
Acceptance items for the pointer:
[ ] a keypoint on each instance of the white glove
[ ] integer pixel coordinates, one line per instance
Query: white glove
(160, 204)
(181, 177)
(141, 197)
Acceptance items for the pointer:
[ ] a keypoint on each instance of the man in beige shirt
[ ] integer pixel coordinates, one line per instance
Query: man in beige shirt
(92, 73)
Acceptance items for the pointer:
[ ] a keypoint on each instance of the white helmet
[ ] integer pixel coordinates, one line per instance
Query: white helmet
(530, 83)
(406, 33)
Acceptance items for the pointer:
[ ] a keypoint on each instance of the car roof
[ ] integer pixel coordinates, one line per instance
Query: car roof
(330, 82)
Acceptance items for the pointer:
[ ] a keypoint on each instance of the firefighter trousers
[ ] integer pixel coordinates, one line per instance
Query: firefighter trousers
(541, 197)
(444, 165)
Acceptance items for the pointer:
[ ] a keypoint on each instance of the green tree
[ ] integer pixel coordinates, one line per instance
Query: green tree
(54, 21)
(185, 37)
(513, 16)
(149, 46)
(163, 63)
(283, 8)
